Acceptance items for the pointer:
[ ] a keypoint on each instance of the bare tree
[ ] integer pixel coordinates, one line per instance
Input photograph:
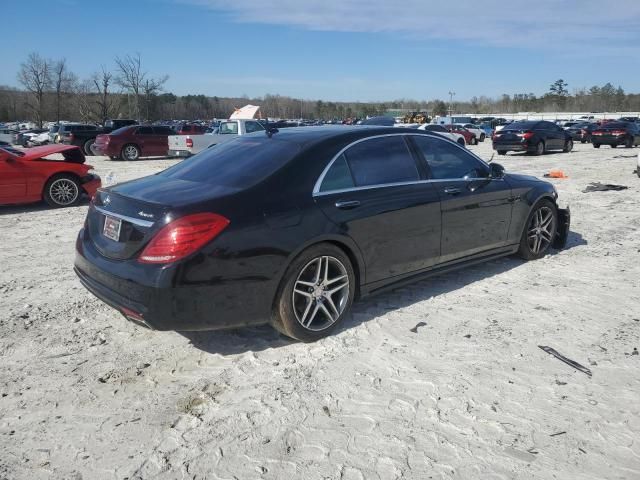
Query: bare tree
(35, 77)
(106, 106)
(151, 87)
(62, 80)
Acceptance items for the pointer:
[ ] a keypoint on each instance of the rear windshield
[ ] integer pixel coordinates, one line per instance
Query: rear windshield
(615, 125)
(239, 163)
(520, 125)
(121, 130)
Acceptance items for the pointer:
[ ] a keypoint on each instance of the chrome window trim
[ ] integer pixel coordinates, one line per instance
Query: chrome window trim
(135, 221)
(316, 188)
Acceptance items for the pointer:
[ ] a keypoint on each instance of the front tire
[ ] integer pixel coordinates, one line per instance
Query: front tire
(316, 293)
(502, 152)
(130, 152)
(568, 146)
(87, 147)
(62, 190)
(628, 143)
(474, 141)
(482, 137)
(596, 145)
(462, 142)
(539, 231)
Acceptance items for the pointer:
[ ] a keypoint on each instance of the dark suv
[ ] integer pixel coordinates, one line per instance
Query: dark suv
(532, 136)
(67, 128)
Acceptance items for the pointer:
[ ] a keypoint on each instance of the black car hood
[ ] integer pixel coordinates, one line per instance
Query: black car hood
(170, 192)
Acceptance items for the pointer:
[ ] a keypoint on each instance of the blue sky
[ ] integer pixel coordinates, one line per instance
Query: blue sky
(338, 49)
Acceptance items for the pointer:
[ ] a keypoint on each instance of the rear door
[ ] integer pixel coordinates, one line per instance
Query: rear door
(476, 210)
(553, 133)
(144, 137)
(375, 191)
(160, 140)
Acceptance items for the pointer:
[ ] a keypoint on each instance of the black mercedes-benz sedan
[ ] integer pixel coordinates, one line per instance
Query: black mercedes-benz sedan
(290, 227)
(532, 136)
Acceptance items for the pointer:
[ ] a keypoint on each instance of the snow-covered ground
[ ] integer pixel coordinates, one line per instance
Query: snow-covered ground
(441, 379)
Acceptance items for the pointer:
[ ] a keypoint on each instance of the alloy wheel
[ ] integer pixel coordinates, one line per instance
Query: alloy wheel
(131, 152)
(63, 191)
(541, 230)
(321, 293)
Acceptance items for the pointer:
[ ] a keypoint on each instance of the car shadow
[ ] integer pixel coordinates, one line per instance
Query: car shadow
(38, 207)
(241, 340)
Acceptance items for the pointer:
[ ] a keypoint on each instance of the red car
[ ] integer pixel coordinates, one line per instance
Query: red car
(30, 176)
(191, 129)
(133, 142)
(469, 138)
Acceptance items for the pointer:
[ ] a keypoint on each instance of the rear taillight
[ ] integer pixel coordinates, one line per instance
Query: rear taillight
(183, 237)
(618, 132)
(189, 142)
(526, 135)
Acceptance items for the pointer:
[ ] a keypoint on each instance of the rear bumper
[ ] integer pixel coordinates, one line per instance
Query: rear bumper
(513, 147)
(159, 298)
(178, 153)
(608, 140)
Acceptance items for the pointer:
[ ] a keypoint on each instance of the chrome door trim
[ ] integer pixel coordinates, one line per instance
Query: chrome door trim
(316, 189)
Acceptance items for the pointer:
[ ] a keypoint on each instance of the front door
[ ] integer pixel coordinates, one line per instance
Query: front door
(376, 194)
(476, 209)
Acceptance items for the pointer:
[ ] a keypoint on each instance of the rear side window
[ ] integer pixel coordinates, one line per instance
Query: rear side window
(435, 128)
(144, 131)
(448, 161)
(382, 160)
(163, 131)
(338, 177)
(228, 128)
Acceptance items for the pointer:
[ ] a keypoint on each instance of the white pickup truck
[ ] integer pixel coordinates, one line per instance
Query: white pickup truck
(187, 145)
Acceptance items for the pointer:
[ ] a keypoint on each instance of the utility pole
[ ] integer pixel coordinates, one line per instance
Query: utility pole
(451, 95)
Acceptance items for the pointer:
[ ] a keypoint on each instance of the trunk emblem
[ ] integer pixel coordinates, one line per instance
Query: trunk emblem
(145, 214)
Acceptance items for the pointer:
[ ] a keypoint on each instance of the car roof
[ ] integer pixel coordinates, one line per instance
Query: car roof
(305, 136)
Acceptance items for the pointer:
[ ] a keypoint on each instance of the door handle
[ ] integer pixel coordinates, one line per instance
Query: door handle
(348, 204)
(452, 190)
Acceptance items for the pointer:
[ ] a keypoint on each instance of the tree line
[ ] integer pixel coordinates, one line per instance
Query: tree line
(50, 91)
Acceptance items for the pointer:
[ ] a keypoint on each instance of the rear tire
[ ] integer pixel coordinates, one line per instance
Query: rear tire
(130, 152)
(474, 141)
(614, 145)
(482, 137)
(628, 143)
(539, 231)
(62, 190)
(305, 308)
(462, 142)
(596, 145)
(502, 152)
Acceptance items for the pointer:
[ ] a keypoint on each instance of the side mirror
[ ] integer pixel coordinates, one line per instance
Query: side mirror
(496, 170)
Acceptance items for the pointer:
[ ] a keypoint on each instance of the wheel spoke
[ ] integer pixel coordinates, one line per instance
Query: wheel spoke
(326, 270)
(327, 312)
(306, 311)
(303, 293)
(333, 306)
(338, 288)
(318, 270)
(313, 315)
(334, 280)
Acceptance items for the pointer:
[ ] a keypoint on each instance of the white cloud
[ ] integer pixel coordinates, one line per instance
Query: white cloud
(580, 24)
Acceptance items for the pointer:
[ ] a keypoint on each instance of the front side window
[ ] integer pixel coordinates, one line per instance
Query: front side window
(251, 127)
(380, 161)
(448, 161)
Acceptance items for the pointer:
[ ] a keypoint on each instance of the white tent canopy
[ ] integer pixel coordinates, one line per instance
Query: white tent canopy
(246, 112)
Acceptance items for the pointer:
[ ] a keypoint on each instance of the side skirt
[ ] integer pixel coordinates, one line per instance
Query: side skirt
(402, 280)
